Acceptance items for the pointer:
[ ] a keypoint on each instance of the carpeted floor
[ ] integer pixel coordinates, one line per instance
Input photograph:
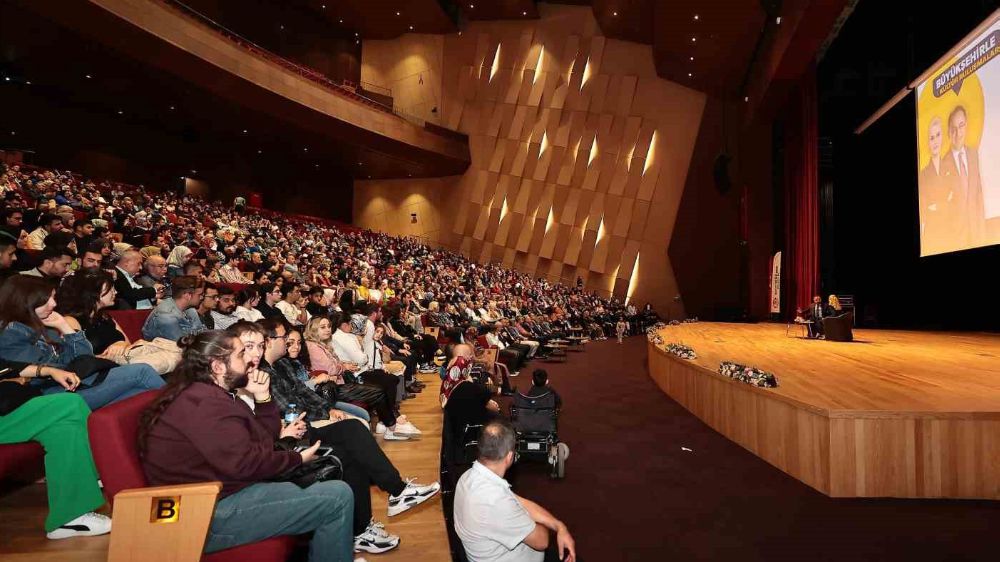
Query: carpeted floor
(632, 493)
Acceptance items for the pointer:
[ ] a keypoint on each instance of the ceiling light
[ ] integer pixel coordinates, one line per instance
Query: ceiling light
(360, 164)
(746, 98)
(28, 82)
(6, 78)
(614, 14)
(260, 152)
(397, 13)
(694, 39)
(355, 33)
(194, 171)
(244, 131)
(696, 17)
(341, 20)
(281, 27)
(120, 112)
(323, 6)
(690, 75)
(306, 149)
(524, 13)
(778, 20)
(692, 58)
(472, 6)
(172, 108)
(87, 76)
(317, 166)
(411, 28)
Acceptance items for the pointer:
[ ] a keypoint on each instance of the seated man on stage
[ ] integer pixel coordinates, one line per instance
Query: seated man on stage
(815, 313)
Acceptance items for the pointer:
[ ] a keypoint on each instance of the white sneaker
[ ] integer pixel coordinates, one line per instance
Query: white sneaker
(515, 373)
(379, 428)
(375, 540)
(413, 495)
(87, 525)
(408, 429)
(389, 435)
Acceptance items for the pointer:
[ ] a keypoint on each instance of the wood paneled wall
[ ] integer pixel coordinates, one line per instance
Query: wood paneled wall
(843, 453)
(579, 153)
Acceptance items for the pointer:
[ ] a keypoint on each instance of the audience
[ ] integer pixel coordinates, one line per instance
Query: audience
(33, 332)
(131, 294)
(177, 316)
(493, 522)
(195, 431)
(54, 263)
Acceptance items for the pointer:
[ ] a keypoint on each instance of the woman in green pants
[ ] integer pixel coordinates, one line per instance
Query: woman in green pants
(59, 423)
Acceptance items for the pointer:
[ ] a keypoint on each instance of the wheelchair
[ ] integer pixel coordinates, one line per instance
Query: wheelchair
(536, 420)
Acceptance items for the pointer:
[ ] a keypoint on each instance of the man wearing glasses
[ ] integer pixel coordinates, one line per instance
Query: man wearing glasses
(270, 295)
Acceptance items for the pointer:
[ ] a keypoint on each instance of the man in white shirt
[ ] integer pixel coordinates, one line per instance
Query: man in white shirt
(47, 224)
(290, 296)
(494, 523)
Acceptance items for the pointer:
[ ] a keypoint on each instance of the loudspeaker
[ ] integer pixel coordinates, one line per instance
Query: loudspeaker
(721, 172)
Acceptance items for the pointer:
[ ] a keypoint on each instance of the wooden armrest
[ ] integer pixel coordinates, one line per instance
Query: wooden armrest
(167, 523)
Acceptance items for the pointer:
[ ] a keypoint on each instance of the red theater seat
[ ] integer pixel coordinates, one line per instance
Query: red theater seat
(131, 321)
(21, 462)
(113, 433)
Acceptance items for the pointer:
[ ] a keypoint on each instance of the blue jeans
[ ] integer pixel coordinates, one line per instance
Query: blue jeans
(356, 411)
(121, 383)
(272, 509)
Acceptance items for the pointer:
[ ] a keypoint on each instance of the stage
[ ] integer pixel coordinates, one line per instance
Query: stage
(891, 414)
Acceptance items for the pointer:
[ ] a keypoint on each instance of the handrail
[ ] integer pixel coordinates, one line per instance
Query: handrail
(304, 71)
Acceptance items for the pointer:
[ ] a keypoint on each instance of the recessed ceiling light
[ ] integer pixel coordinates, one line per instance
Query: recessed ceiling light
(746, 98)
(260, 152)
(397, 13)
(28, 82)
(411, 28)
(696, 17)
(778, 20)
(694, 39)
(244, 131)
(306, 149)
(324, 6)
(194, 171)
(341, 20)
(317, 166)
(281, 27)
(614, 14)
(472, 6)
(692, 58)
(13, 133)
(690, 75)
(360, 164)
(6, 78)
(355, 33)
(524, 13)
(172, 108)
(120, 112)
(87, 76)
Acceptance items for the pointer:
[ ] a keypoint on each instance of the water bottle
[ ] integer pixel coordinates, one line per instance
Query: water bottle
(291, 413)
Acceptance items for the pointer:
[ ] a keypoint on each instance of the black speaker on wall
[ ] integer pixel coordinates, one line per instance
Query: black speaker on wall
(720, 171)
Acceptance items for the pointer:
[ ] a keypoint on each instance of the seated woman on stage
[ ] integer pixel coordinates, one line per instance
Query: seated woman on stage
(33, 332)
(833, 306)
(59, 423)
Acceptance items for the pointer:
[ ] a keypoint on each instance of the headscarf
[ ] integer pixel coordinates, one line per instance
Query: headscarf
(179, 256)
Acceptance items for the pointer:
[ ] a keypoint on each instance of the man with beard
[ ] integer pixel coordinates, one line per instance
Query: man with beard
(224, 314)
(195, 431)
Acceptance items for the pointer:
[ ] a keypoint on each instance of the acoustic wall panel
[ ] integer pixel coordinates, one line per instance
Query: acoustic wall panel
(560, 185)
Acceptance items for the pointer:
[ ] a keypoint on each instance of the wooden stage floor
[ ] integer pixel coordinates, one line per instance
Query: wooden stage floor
(421, 529)
(881, 370)
(893, 413)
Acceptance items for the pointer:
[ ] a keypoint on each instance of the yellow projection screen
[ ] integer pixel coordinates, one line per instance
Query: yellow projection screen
(958, 147)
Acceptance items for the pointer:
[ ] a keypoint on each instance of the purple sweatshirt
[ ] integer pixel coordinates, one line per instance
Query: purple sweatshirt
(209, 434)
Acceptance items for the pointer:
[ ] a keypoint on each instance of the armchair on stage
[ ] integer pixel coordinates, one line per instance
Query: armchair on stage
(839, 328)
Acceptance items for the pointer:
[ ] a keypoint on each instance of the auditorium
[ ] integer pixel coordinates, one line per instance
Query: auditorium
(499, 280)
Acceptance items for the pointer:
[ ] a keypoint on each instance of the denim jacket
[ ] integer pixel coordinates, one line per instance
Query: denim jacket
(168, 321)
(20, 343)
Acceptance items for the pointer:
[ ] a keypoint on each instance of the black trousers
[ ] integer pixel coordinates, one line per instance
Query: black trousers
(371, 395)
(364, 464)
(388, 383)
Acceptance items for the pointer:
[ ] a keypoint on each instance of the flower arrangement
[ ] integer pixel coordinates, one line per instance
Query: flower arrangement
(654, 338)
(747, 374)
(681, 350)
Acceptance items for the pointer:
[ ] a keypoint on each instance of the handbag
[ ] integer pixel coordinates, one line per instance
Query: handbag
(306, 474)
(161, 354)
(13, 395)
(328, 390)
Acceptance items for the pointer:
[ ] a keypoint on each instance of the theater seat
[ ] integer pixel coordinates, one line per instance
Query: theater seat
(131, 321)
(21, 462)
(113, 433)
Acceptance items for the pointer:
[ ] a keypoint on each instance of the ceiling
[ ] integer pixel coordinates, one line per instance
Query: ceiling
(192, 127)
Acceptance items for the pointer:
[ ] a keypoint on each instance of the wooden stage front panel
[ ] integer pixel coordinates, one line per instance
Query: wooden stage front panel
(892, 414)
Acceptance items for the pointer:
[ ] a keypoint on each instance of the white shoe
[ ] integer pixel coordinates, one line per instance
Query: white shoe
(392, 436)
(379, 428)
(413, 495)
(375, 539)
(87, 525)
(408, 429)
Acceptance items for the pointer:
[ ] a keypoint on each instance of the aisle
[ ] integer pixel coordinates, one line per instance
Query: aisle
(632, 493)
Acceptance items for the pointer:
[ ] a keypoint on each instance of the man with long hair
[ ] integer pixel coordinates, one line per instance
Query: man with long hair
(197, 431)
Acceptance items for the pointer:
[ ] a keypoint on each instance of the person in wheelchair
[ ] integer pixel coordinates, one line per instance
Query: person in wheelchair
(535, 416)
